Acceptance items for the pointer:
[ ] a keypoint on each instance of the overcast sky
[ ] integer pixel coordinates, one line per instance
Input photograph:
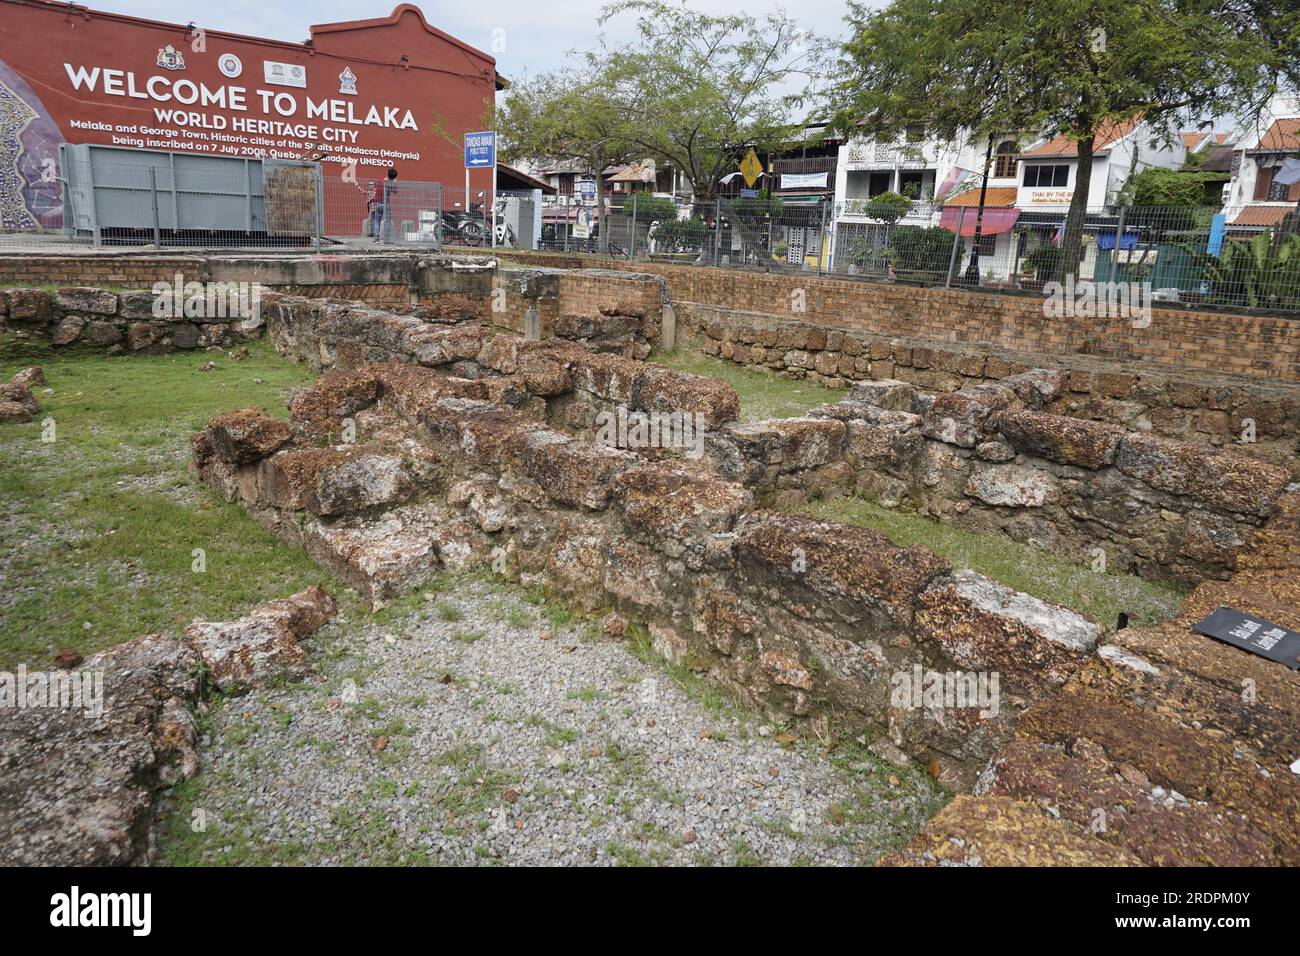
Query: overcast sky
(537, 34)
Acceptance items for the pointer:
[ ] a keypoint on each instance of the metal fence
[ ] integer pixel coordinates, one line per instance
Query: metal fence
(1240, 257)
(160, 199)
(102, 196)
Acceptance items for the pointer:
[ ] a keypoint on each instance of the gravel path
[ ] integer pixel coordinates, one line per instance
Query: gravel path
(482, 728)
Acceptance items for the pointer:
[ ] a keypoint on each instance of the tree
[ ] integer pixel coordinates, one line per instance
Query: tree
(1067, 67)
(696, 90)
(566, 114)
(651, 208)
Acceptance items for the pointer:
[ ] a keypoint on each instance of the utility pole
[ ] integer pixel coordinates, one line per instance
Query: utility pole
(972, 276)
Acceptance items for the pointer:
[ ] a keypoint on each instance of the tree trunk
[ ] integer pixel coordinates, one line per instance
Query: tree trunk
(1072, 241)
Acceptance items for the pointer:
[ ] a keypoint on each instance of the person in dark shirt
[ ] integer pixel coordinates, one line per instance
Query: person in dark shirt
(378, 202)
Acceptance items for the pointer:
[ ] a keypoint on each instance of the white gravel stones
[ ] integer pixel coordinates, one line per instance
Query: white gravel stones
(472, 738)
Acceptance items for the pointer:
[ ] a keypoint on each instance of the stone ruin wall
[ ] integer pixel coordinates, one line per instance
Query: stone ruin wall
(464, 462)
(796, 615)
(112, 322)
(850, 447)
(1201, 407)
(474, 447)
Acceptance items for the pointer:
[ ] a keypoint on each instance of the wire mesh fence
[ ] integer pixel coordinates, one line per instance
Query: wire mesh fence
(1239, 257)
(383, 211)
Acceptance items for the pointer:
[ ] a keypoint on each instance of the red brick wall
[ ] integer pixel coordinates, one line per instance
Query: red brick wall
(126, 272)
(1254, 345)
(141, 272)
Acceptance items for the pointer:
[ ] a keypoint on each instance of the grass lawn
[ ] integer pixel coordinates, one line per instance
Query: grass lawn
(99, 527)
(763, 393)
(1022, 567)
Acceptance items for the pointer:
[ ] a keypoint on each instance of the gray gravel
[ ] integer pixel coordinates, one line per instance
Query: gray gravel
(481, 728)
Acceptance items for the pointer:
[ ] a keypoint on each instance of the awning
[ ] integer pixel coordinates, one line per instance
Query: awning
(1106, 240)
(994, 222)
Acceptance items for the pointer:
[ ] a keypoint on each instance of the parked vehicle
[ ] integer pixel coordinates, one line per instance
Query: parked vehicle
(464, 228)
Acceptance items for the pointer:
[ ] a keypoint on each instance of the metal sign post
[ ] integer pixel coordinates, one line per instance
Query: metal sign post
(481, 153)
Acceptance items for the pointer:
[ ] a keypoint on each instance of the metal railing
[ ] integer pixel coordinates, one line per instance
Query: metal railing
(1239, 257)
(262, 205)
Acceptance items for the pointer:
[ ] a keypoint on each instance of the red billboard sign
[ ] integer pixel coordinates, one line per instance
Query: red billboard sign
(359, 96)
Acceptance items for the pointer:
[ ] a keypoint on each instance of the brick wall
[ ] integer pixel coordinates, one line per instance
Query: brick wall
(127, 272)
(1255, 345)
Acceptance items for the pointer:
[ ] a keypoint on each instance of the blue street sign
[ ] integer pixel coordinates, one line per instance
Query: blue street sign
(480, 150)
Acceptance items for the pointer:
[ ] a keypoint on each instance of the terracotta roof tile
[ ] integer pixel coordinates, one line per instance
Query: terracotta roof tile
(1108, 134)
(997, 197)
(1262, 215)
(1283, 134)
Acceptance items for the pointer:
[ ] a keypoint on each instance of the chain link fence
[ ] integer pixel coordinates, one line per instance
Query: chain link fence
(1237, 257)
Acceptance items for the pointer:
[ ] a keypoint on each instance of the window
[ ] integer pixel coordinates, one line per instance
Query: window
(1004, 163)
(1047, 177)
(1268, 191)
(914, 134)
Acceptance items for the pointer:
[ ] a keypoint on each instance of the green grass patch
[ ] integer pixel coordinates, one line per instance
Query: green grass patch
(1022, 567)
(103, 524)
(763, 393)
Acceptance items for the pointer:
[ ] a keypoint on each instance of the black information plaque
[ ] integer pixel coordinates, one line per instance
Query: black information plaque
(1252, 634)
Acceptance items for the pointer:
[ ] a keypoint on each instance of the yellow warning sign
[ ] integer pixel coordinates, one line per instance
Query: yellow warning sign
(751, 168)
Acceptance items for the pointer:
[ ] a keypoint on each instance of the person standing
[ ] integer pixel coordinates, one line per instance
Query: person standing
(379, 201)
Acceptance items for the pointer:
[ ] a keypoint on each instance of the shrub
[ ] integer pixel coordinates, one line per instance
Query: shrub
(920, 248)
(889, 207)
(680, 235)
(1043, 262)
(651, 208)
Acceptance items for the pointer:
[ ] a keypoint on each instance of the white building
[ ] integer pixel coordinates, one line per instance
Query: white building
(1029, 190)
(1253, 199)
(1050, 169)
(941, 177)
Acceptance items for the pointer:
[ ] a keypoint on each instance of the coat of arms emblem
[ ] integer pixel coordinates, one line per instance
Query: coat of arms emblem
(169, 58)
(348, 81)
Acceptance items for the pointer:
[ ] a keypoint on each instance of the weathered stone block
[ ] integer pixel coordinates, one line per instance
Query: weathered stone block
(960, 418)
(1070, 441)
(660, 389)
(263, 646)
(68, 330)
(29, 307)
(87, 301)
(103, 334)
(1015, 486)
(1231, 482)
(817, 561)
(245, 435)
(885, 393)
(980, 625)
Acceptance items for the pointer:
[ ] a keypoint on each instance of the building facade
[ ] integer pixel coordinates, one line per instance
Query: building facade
(361, 95)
